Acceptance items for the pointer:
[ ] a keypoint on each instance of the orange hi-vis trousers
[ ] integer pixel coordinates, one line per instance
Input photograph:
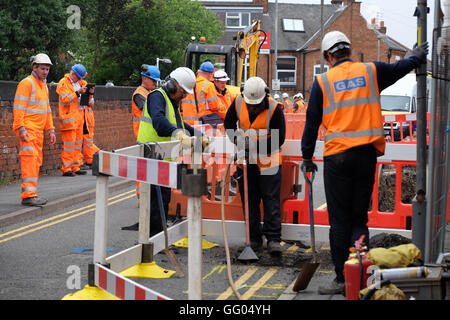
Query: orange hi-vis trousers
(89, 148)
(30, 161)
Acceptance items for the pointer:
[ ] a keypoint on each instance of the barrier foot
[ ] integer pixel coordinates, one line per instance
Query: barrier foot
(147, 270)
(90, 293)
(183, 243)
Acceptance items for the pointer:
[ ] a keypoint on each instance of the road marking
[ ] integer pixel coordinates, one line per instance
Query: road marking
(227, 293)
(61, 220)
(250, 292)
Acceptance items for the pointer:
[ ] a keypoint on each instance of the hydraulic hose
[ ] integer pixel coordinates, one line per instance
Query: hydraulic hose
(225, 238)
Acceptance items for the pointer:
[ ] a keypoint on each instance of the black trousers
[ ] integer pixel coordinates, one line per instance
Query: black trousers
(155, 215)
(348, 178)
(266, 188)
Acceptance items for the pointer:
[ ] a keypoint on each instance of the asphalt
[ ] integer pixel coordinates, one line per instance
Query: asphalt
(63, 192)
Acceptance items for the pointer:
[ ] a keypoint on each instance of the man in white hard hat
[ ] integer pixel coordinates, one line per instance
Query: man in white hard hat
(276, 97)
(220, 82)
(299, 104)
(346, 100)
(251, 112)
(287, 103)
(32, 115)
(162, 121)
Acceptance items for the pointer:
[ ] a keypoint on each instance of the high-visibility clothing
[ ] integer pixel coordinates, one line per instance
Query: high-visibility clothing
(137, 113)
(258, 130)
(147, 132)
(89, 148)
(350, 91)
(32, 113)
(227, 99)
(207, 102)
(287, 105)
(297, 107)
(71, 116)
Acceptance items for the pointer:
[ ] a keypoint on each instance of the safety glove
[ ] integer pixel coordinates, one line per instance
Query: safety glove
(420, 52)
(308, 166)
(186, 141)
(205, 142)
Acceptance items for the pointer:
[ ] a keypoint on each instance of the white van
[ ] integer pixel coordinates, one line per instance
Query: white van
(401, 98)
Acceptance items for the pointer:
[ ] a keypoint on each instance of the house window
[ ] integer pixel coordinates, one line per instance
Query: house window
(286, 70)
(317, 69)
(237, 19)
(295, 25)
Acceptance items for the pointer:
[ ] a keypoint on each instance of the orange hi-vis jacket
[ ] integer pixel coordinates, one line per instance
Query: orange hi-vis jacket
(32, 113)
(137, 113)
(227, 100)
(297, 107)
(258, 130)
(70, 111)
(32, 107)
(351, 108)
(208, 102)
(287, 105)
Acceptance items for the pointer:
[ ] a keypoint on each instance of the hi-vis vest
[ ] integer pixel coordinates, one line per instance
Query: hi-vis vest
(258, 130)
(147, 132)
(70, 110)
(32, 107)
(137, 113)
(208, 102)
(351, 108)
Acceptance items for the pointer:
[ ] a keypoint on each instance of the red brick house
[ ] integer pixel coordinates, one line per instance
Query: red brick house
(298, 41)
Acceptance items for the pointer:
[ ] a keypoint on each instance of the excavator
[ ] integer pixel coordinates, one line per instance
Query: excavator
(231, 57)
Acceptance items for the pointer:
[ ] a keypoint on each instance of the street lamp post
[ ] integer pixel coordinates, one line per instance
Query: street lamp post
(164, 60)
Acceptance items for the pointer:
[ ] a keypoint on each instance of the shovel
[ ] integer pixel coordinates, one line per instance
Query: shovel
(309, 268)
(247, 254)
(169, 253)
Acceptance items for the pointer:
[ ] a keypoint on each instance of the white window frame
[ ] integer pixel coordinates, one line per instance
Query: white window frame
(237, 15)
(317, 66)
(295, 23)
(287, 70)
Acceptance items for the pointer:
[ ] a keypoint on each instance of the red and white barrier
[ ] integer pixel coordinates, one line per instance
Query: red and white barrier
(122, 287)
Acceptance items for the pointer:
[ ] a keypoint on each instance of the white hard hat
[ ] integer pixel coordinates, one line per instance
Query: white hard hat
(298, 96)
(185, 78)
(221, 75)
(254, 90)
(285, 95)
(41, 58)
(276, 96)
(332, 38)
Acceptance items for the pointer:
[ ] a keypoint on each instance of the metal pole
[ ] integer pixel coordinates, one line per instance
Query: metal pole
(419, 206)
(321, 36)
(144, 212)
(276, 40)
(101, 219)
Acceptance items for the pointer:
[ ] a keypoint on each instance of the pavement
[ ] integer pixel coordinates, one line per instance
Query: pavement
(63, 192)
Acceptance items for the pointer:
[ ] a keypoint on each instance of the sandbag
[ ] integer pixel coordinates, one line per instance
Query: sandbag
(395, 257)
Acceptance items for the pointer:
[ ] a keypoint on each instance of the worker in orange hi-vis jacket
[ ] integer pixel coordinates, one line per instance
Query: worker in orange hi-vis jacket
(71, 116)
(225, 95)
(89, 147)
(32, 115)
(150, 76)
(299, 104)
(287, 103)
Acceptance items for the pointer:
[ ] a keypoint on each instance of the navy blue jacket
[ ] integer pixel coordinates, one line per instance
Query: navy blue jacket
(387, 74)
(156, 108)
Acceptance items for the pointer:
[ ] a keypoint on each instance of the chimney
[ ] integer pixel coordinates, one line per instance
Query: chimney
(262, 3)
(382, 28)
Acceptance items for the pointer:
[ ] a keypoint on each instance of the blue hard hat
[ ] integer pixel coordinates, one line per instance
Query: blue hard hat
(152, 72)
(207, 66)
(79, 70)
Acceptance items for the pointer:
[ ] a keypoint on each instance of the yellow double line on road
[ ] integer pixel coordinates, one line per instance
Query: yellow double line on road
(16, 233)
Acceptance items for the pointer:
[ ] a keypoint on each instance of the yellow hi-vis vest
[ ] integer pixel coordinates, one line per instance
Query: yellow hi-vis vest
(147, 132)
(351, 108)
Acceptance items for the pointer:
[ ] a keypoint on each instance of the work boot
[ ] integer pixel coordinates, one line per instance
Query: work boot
(86, 167)
(34, 202)
(334, 287)
(274, 247)
(69, 174)
(81, 172)
(256, 245)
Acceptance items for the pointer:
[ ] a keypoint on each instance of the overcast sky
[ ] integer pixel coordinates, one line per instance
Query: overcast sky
(400, 23)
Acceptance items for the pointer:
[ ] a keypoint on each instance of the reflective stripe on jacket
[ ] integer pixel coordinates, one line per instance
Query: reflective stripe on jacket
(208, 102)
(351, 108)
(258, 130)
(137, 113)
(70, 110)
(147, 132)
(31, 106)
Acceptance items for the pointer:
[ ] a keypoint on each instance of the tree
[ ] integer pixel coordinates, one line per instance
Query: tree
(130, 33)
(29, 27)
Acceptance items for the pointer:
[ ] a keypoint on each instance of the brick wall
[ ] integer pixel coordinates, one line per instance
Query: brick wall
(113, 127)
